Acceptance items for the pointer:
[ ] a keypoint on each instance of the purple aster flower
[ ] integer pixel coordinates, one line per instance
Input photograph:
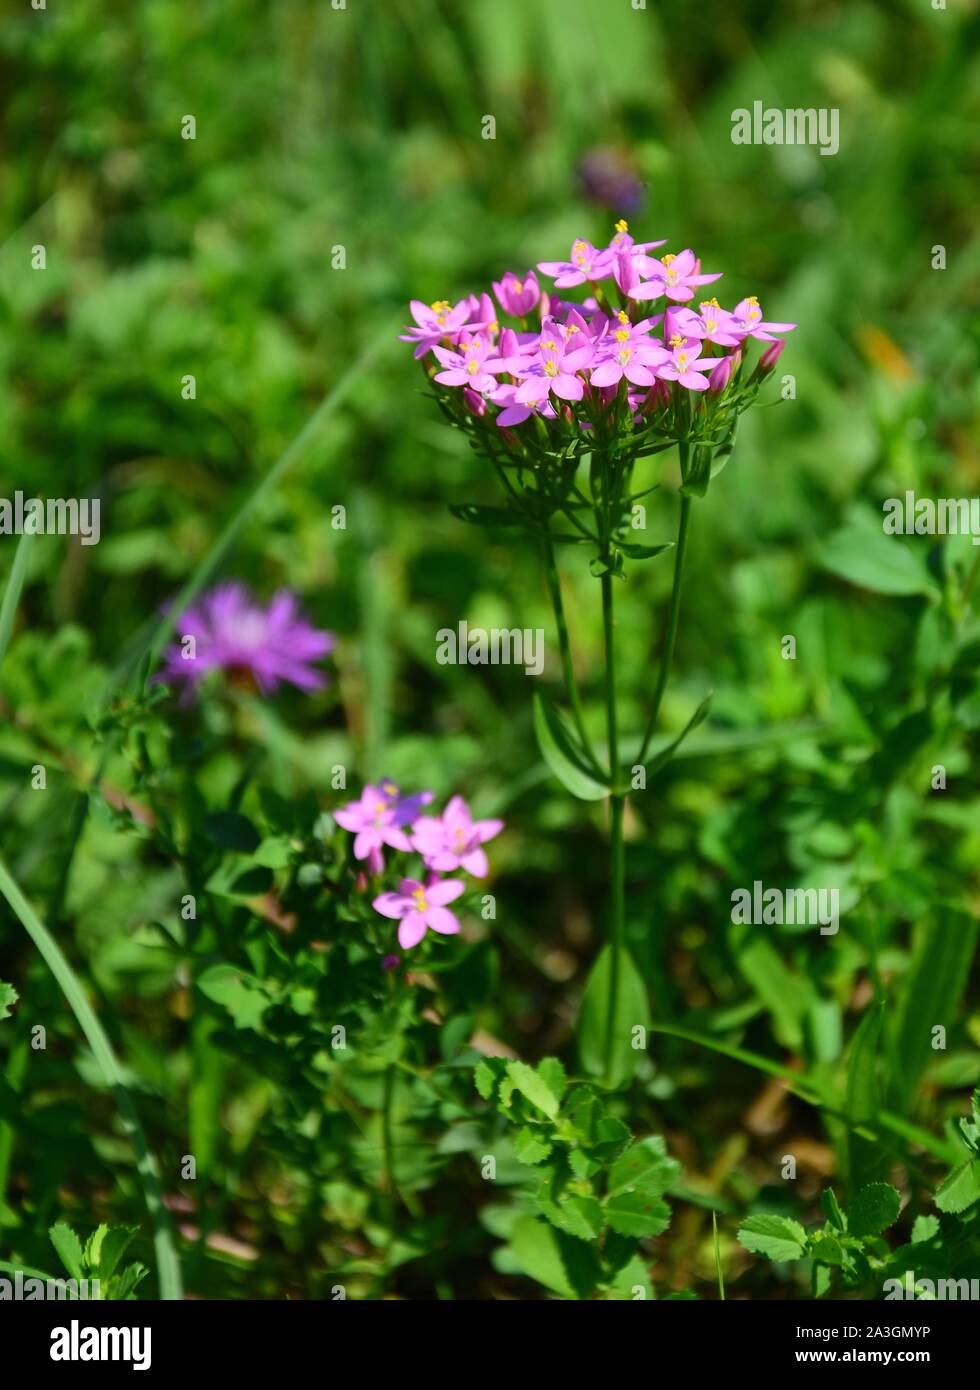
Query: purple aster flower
(674, 276)
(378, 818)
(454, 840)
(515, 295)
(251, 644)
(749, 317)
(418, 906)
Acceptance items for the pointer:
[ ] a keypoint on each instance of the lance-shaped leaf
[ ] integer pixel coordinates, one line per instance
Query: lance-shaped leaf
(564, 754)
(665, 754)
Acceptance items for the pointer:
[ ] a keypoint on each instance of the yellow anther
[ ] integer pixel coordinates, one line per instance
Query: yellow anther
(551, 368)
(623, 316)
(420, 903)
(751, 299)
(676, 340)
(709, 304)
(622, 225)
(666, 260)
(682, 359)
(622, 335)
(625, 355)
(472, 366)
(550, 345)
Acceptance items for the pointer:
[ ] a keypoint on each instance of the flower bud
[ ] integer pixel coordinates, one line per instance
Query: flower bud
(770, 357)
(721, 375)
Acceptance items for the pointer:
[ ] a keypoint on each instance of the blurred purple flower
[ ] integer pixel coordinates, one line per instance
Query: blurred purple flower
(233, 633)
(606, 176)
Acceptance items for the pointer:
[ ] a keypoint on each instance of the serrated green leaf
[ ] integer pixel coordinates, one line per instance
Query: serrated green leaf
(776, 1237)
(960, 1189)
(634, 1212)
(8, 998)
(645, 1165)
(485, 1077)
(529, 1147)
(873, 1210)
(534, 1087)
(826, 1248)
(924, 1228)
(577, 1215)
(69, 1249)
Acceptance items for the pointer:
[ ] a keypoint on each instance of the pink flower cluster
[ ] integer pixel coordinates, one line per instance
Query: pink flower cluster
(587, 351)
(381, 817)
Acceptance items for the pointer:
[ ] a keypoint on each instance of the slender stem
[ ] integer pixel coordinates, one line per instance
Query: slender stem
(564, 644)
(667, 655)
(617, 860)
(168, 1265)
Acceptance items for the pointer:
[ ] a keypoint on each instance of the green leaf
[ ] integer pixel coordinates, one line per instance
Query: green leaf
(560, 1263)
(960, 1189)
(530, 1148)
(563, 753)
(644, 1164)
(865, 1158)
(486, 1078)
(235, 990)
(539, 1089)
(486, 516)
(863, 554)
(924, 1228)
(831, 1206)
(632, 1010)
(69, 1249)
(637, 1213)
(643, 552)
(873, 1210)
(776, 1237)
(111, 1250)
(8, 998)
(577, 1215)
(940, 967)
(665, 754)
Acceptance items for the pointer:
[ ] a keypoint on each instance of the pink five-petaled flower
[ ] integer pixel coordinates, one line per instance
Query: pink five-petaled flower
(467, 367)
(673, 276)
(748, 315)
(686, 364)
(586, 263)
(248, 642)
(714, 324)
(454, 840)
(627, 350)
(551, 371)
(515, 295)
(435, 322)
(377, 818)
(416, 906)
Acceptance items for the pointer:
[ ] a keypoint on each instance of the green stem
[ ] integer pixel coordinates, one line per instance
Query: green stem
(617, 802)
(564, 644)
(168, 1264)
(667, 655)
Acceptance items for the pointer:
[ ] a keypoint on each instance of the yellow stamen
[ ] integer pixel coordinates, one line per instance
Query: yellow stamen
(709, 304)
(551, 368)
(420, 902)
(751, 299)
(676, 340)
(622, 225)
(622, 335)
(623, 316)
(666, 260)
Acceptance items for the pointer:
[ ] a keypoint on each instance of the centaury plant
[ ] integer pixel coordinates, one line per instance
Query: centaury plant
(565, 398)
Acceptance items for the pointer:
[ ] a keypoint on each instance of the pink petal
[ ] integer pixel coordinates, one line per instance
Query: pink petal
(440, 919)
(411, 930)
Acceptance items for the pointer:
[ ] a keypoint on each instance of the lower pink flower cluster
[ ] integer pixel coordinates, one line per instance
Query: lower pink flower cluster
(588, 351)
(383, 817)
